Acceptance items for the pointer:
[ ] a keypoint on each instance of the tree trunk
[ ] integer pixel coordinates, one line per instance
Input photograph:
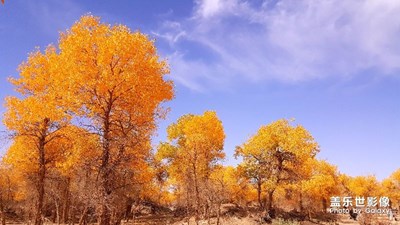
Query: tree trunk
(187, 201)
(71, 220)
(3, 218)
(41, 173)
(259, 194)
(301, 202)
(324, 205)
(82, 220)
(40, 200)
(128, 211)
(29, 218)
(105, 214)
(197, 191)
(57, 211)
(66, 203)
(105, 191)
(270, 199)
(2, 213)
(117, 217)
(219, 213)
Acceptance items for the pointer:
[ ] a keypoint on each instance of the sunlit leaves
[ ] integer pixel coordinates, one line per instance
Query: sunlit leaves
(110, 63)
(277, 154)
(364, 186)
(90, 102)
(194, 139)
(195, 145)
(391, 188)
(321, 184)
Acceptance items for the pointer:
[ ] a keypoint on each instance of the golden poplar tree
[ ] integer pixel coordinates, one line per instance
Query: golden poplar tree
(364, 186)
(195, 144)
(110, 81)
(322, 184)
(114, 80)
(391, 188)
(7, 190)
(275, 155)
(36, 118)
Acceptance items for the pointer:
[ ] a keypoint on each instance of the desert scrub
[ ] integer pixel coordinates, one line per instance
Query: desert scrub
(285, 222)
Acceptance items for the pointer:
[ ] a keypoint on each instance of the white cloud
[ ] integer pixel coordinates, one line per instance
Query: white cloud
(53, 15)
(287, 40)
(201, 75)
(171, 32)
(208, 8)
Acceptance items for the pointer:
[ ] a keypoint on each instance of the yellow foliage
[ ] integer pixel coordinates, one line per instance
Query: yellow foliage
(234, 187)
(199, 143)
(107, 65)
(191, 154)
(322, 184)
(364, 186)
(391, 188)
(278, 154)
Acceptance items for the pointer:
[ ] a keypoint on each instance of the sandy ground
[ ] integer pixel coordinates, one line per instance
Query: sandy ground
(250, 220)
(343, 220)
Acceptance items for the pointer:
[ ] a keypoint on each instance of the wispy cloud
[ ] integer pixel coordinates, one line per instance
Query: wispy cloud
(171, 32)
(286, 40)
(53, 15)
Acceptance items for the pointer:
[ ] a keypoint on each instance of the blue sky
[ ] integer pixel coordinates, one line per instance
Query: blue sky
(332, 65)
